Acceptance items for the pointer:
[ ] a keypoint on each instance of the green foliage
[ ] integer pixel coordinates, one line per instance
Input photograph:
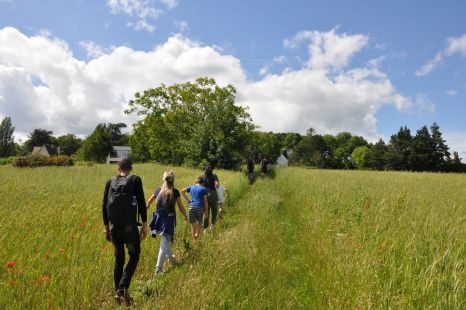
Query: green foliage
(312, 151)
(7, 160)
(69, 144)
(97, 146)
(360, 156)
(399, 150)
(41, 161)
(377, 158)
(190, 123)
(7, 143)
(114, 132)
(39, 137)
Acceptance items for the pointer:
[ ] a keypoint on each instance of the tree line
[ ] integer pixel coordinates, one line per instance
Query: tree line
(198, 122)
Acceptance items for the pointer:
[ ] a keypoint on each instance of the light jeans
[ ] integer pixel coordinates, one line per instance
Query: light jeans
(165, 251)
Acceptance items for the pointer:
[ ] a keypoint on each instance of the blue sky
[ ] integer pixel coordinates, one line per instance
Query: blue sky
(367, 67)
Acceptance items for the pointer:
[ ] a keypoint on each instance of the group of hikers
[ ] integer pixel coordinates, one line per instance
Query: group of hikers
(124, 202)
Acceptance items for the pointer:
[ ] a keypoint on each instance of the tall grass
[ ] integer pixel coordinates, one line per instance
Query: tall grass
(51, 228)
(306, 239)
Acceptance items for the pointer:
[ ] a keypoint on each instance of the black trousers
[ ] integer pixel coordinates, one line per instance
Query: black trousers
(121, 236)
(212, 199)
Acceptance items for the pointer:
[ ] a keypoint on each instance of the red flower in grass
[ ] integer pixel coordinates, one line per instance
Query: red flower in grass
(12, 282)
(11, 264)
(46, 255)
(44, 278)
(62, 250)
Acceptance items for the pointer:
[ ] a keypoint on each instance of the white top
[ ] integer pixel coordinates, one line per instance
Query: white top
(221, 193)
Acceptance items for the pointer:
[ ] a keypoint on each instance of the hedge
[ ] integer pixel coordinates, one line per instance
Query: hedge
(41, 161)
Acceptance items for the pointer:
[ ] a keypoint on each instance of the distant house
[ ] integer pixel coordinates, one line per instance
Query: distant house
(120, 152)
(45, 150)
(283, 159)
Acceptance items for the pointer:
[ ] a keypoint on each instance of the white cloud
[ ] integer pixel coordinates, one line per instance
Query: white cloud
(93, 50)
(146, 12)
(328, 49)
(452, 92)
(74, 96)
(181, 25)
(454, 46)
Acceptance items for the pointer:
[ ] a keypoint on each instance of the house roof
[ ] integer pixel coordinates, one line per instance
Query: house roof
(49, 148)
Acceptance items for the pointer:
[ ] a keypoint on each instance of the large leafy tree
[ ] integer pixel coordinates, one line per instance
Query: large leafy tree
(97, 146)
(69, 144)
(116, 136)
(39, 137)
(192, 123)
(7, 143)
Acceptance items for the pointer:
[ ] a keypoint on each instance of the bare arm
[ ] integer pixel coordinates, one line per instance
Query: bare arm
(149, 202)
(183, 192)
(181, 208)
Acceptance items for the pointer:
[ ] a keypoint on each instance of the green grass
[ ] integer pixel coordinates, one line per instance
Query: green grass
(306, 239)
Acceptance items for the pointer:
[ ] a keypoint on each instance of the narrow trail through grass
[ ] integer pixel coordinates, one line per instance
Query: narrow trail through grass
(254, 263)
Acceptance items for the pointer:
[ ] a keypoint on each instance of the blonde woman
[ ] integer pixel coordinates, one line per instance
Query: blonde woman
(164, 218)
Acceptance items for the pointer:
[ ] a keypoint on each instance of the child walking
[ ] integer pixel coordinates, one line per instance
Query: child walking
(198, 206)
(163, 221)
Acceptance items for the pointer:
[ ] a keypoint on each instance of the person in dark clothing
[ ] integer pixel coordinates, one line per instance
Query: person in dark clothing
(211, 183)
(123, 230)
(250, 170)
(264, 166)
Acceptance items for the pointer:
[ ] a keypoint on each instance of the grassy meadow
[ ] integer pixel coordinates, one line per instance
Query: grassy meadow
(302, 239)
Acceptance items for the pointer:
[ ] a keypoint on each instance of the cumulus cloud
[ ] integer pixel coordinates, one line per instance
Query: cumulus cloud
(146, 12)
(43, 85)
(454, 46)
(328, 49)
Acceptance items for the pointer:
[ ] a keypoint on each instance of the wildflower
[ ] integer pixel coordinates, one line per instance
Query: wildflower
(12, 282)
(44, 278)
(62, 250)
(11, 264)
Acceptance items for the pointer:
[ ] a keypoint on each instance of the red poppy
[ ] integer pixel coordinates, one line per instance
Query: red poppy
(62, 250)
(12, 282)
(11, 264)
(44, 278)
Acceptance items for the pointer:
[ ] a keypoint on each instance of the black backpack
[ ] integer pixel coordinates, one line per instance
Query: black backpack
(119, 200)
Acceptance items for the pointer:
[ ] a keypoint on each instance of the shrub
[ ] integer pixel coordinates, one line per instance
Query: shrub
(40, 161)
(7, 160)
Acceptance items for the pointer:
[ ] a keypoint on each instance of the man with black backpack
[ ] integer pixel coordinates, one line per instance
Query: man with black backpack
(123, 199)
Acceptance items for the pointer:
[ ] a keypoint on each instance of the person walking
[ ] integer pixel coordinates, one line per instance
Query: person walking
(198, 205)
(123, 198)
(163, 221)
(264, 166)
(211, 183)
(250, 170)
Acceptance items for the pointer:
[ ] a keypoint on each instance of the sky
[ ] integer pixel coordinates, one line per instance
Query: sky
(366, 67)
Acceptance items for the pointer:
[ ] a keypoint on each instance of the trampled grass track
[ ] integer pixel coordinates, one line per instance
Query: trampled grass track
(306, 239)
